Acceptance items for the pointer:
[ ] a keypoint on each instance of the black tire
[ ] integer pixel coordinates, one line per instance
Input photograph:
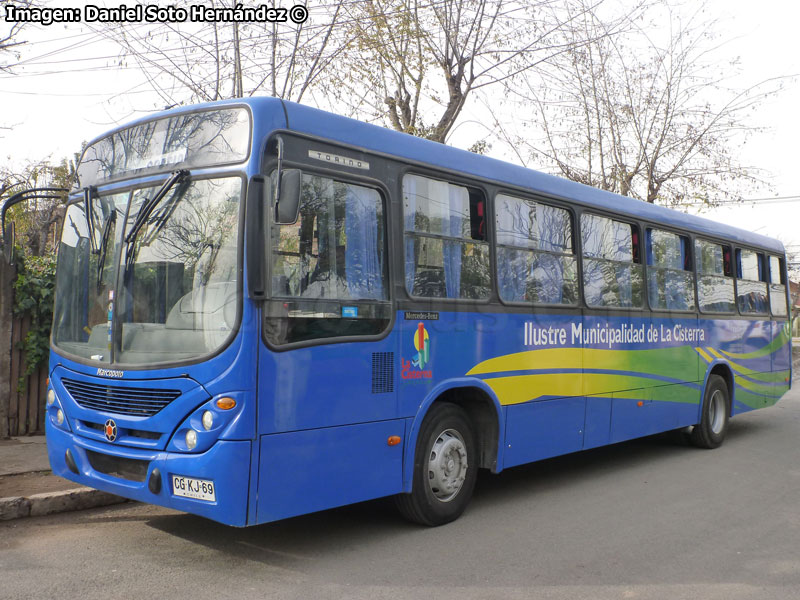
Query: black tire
(710, 432)
(440, 491)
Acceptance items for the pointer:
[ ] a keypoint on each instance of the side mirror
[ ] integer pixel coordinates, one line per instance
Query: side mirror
(288, 196)
(9, 239)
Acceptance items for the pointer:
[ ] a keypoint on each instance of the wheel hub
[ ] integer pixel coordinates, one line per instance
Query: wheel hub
(717, 409)
(447, 465)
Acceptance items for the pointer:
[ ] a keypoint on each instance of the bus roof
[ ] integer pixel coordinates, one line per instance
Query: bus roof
(368, 137)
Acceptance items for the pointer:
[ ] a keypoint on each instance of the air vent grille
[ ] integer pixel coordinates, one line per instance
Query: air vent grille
(382, 372)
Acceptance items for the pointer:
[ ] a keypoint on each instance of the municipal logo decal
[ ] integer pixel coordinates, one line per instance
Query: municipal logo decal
(415, 368)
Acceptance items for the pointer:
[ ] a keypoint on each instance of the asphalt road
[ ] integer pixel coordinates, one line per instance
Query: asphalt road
(646, 519)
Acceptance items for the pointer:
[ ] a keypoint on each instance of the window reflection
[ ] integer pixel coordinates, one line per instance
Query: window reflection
(611, 277)
(446, 255)
(670, 282)
(329, 270)
(534, 254)
(714, 277)
(192, 140)
(179, 295)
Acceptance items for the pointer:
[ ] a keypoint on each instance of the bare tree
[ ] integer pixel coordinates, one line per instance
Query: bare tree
(10, 43)
(415, 63)
(10, 39)
(191, 62)
(642, 114)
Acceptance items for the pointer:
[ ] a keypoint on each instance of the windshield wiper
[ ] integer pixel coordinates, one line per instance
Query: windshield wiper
(144, 214)
(101, 261)
(88, 195)
(149, 205)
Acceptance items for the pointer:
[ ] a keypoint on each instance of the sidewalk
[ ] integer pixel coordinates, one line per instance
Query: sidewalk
(29, 489)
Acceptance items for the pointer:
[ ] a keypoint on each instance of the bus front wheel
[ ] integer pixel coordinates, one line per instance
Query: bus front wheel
(445, 468)
(710, 432)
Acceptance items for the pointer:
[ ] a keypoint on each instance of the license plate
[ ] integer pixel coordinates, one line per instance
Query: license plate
(188, 487)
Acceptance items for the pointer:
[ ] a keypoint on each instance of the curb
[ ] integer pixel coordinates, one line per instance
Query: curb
(37, 505)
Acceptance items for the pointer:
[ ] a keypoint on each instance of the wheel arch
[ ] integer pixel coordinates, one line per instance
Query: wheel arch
(724, 370)
(484, 411)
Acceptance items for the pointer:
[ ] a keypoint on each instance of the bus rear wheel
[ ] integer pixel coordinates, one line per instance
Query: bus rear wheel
(445, 468)
(710, 432)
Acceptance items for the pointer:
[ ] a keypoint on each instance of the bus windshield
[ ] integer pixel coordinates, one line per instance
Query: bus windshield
(168, 294)
(190, 140)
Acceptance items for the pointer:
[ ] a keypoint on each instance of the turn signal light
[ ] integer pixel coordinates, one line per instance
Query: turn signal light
(393, 440)
(226, 403)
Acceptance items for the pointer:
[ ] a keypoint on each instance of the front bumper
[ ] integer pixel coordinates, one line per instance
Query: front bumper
(226, 463)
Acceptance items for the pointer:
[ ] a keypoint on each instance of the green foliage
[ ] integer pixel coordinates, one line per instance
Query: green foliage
(33, 298)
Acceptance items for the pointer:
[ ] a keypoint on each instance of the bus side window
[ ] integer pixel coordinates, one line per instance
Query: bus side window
(751, 287)
(329, 269)
(535, 256)
(611, 276)
(670, 281)
(446, 253)
(777, 287)
(714, 277)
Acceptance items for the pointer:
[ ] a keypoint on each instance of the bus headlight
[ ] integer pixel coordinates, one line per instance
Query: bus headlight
(208, 420)
(215, 419)
(55, 414)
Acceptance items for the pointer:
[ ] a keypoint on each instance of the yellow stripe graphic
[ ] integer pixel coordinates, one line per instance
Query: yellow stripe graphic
(524, 388)
(704, 355)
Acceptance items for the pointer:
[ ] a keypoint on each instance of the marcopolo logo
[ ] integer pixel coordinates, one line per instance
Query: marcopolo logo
(415, 368)
(110, 373)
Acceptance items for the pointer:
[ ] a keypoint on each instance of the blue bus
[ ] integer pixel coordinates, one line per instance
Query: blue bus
(265, 310)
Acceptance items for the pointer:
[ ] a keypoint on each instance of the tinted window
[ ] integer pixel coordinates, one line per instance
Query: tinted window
(535, 261)
(775, 270)
(184, 141)
(611, 278)
(336, 249)
(606, 238)
(329, 273)
(751, 289)
(670, 282)
(528, 224)
(445, 252)
(749, 265)
(714, 281)
(777, 289)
